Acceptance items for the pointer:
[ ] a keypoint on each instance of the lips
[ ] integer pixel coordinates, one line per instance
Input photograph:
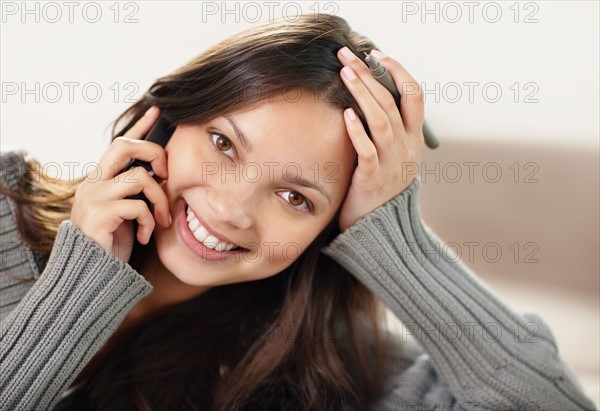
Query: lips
(187, 237)
(212, 232)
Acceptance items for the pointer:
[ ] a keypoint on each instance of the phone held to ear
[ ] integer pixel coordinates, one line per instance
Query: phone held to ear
(386, 80)
(160, 133)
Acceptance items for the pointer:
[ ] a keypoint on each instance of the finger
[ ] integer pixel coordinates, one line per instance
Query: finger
(383, 97)
(381, 130)
(368, 158)
(134, 210)
(124, 149)
(412, 106)
(132, 182)
(144, 124)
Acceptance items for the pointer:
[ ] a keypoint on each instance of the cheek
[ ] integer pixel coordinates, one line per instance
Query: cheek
(300, 236)
(186, 157)
(185, 139)
(281, 231)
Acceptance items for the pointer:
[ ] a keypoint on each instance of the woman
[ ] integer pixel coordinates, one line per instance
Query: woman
(245, 288)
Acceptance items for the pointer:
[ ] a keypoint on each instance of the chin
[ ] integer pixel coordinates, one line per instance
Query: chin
(193, 270)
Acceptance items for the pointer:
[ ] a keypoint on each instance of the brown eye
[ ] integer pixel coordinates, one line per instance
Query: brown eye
(223, 143)
(295, 198)
(296, 201)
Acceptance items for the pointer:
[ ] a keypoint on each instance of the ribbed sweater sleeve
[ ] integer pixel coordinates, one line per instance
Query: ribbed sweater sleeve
(479, 354)
(72, 309)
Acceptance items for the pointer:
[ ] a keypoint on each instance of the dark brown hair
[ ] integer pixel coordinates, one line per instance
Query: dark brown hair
(307, 338)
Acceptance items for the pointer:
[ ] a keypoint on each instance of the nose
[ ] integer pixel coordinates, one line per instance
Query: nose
(232, 203)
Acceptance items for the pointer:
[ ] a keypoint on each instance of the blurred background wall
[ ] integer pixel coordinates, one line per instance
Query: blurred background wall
(511, 90)
(528, 226)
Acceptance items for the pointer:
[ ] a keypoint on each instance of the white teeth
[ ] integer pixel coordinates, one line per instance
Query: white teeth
(210, 241)
(201, 234)
(194, 223)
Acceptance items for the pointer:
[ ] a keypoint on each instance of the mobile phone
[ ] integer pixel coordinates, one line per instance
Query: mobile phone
(160, 133)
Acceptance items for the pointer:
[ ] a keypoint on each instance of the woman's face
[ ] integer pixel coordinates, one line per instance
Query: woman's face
(247, 193)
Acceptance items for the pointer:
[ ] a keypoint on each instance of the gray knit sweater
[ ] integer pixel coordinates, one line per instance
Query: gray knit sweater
(473, 351)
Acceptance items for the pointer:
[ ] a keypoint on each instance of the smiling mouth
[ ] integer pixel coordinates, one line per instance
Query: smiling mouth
(202, 236)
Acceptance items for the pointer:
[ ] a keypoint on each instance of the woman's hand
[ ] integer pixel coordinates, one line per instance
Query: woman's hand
(397, 136)
(100, 209)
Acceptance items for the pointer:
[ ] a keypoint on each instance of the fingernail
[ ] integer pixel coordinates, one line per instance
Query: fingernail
(347, 53)
(150, 111)
(351, 114)
(170, 219)
(378, 54)
(349, 73)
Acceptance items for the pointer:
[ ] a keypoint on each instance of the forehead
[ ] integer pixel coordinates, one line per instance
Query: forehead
(296, 127)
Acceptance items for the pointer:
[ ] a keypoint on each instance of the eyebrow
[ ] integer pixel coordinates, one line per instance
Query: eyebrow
(305, 183)
(240, 134)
